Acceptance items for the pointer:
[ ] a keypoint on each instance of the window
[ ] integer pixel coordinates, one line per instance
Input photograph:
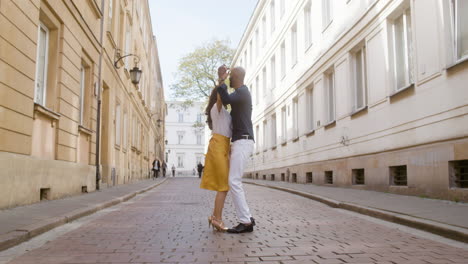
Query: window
(458, 173)
(310, 108)
(402, 48)
(180, 160)
(273, 130)
(398, 175)
(359, 69)
(272, 16)
(251, 53)
(257, 96)
(199, 117)
(282, 7)
(257, 43)
(82, 93)
(257, 85)
(309, 178)
(199, 139)
(296, 117)
(117, 125)
(128, 41)
(181, 117)
(358, 176)
(264, 81)
(284, 124)
(245, 59)
(264, 31)
(110, 25)
(265, 138)
(327, 13)
(330, 91)
(273, 72)
(180, 137)
(460, 9)
(307, 25)
(283, 60)
(293, 45)
(41, 65)
(125, 131)
(257, 132)
(329, 177)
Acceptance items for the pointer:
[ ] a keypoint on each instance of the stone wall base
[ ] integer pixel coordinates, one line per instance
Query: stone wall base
(429, 169)
(26, 180)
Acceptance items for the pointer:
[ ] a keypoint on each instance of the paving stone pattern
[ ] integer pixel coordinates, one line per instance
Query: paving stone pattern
(169, 225)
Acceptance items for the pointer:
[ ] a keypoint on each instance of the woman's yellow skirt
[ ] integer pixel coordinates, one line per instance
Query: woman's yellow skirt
(216, 171)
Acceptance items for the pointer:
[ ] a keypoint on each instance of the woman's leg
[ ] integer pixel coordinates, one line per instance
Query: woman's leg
(219, 204)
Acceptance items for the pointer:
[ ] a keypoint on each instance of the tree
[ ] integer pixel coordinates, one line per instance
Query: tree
(197, 73)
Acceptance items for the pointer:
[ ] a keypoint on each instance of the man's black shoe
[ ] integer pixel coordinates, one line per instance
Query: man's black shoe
(252, 220)
(241, 228)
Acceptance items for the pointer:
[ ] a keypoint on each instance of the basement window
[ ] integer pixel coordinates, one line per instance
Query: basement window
(282, 176)
(272, 177)
(329, 177)
(84, 189)
(358, 177)
(458, 173)
(45, 194)
(398, 176)
(264, 177)
(294, 177)
(309, 177)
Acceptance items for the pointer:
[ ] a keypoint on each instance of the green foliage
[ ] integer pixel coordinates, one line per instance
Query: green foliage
(197, 73)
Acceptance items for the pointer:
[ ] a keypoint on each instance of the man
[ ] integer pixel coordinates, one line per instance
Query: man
(156, 167)
(173, 170)
(199, 169)
(242, 141)
(164, 166)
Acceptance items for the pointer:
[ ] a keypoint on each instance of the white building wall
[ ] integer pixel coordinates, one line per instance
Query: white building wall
(433, 108)
(188, 148)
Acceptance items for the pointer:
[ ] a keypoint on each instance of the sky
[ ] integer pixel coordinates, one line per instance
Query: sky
(180, 26)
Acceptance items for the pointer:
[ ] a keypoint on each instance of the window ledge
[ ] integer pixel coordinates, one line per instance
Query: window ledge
(284, 143)
(295, 139)
(330, 124)
(359, 110)
(258, 152)
(310, 133)
(85, 130)
(273, 148)
(456, 63)
(117, 147)
(54, 116)
(265, 150)
(409, 87)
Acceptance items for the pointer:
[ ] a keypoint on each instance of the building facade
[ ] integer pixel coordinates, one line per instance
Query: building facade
(58, 80)
(185, 135)
(367, 94)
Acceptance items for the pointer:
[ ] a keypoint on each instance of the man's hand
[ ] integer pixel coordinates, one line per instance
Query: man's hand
(223, 73)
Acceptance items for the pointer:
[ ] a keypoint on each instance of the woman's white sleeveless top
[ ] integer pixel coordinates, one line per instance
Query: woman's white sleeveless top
(221, 121)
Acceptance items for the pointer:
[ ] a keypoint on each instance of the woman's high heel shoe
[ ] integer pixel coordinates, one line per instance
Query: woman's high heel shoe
(218, 225)
(210, 220)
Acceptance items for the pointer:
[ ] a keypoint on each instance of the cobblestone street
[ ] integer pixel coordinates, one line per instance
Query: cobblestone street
(169, 225)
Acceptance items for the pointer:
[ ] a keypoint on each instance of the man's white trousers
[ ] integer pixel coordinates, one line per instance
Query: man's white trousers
(240, 153)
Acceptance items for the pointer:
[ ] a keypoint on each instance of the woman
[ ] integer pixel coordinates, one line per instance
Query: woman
(216, 171)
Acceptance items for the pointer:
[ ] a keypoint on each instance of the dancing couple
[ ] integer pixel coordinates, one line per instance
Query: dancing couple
(225, 162)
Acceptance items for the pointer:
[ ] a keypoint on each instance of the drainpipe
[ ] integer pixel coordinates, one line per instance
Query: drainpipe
(98, 126)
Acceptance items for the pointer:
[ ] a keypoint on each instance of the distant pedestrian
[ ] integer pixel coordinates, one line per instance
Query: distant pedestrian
(200, 169)
(156, 168)
(173, 170)
(164, 167)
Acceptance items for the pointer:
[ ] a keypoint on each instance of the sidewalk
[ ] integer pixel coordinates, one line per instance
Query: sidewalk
(445, 218)
(22, 223)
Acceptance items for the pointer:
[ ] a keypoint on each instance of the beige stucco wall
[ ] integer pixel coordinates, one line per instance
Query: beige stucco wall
(47, 146)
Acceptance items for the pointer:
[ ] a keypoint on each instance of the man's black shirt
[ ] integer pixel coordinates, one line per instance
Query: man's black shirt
(241, 110)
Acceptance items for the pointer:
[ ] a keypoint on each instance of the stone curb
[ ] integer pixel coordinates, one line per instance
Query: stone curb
(19, 236)
(441, 229)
